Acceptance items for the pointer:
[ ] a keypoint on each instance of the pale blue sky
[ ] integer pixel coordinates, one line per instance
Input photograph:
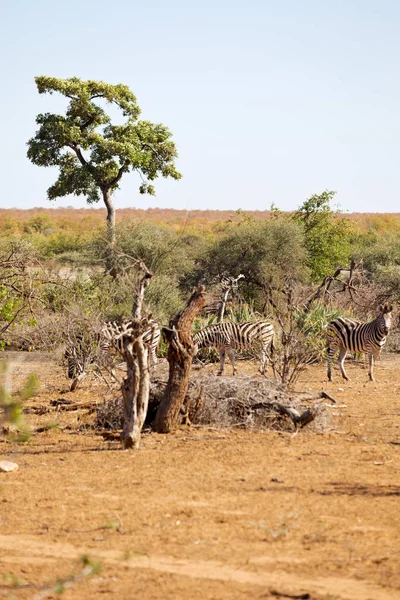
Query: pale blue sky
(268, 101)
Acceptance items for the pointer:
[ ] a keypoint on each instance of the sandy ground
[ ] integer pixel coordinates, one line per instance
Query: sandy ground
(204, 513)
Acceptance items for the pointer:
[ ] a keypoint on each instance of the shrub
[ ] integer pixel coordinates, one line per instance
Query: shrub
(327, 235)
(267, 253)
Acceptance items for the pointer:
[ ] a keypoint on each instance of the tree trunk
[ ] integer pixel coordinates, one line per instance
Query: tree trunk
(229, 285)
(136, 386)
(140, 290)
(180, 354)
(221, 310)
(110, 258)
(135, 392)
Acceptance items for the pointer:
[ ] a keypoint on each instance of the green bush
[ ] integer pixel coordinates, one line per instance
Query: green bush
(328, 236)
(313, 326)
(38, 224)
(267, 253)
(379, 250)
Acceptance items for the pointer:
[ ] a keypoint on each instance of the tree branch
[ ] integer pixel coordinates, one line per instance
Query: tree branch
(121, 171)
(86, 164)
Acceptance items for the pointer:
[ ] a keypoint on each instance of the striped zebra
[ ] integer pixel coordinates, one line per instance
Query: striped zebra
(86, 350)
(227, 337)
(113, 333)
(349, 335)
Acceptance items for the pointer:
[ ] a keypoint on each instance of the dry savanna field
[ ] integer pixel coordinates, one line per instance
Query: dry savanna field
(132, 466)
(204, 512)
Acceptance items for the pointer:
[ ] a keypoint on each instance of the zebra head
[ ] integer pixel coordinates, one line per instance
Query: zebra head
(385, 317)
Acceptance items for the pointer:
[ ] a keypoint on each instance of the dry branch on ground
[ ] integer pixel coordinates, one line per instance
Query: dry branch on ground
(231, 402)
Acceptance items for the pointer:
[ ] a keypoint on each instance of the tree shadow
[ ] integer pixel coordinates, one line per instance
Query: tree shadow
(359, 489)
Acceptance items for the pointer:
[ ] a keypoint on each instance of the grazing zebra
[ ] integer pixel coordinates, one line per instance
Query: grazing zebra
(228, 336)
(151, 336)
(83, 351)
(349, 335)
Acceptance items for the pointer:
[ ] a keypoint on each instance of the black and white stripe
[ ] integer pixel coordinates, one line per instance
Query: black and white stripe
(113, 334)
(90, 348)
(227, 337)
(349, 335)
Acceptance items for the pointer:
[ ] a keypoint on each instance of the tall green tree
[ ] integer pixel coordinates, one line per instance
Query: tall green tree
(327, 235)
(93, 154)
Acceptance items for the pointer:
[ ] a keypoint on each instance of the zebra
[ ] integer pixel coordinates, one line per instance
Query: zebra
(228, 336)
(114, 331)
(83, 351)
(349, 335)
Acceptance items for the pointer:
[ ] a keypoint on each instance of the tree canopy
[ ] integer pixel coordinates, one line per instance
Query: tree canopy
(327, 235)
(91, 152)
(267, 253)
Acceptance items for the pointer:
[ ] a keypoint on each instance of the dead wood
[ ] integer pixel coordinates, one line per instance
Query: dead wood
(317, 396)
(299, 420)
(110, 436)
(346, 284)
(277, 594)
(191, 406)
(212, 402)
(328, 397)
(180, 355)
(127, 338)
(229, 285)
(39, 409)
(68, 405)
(135, 387)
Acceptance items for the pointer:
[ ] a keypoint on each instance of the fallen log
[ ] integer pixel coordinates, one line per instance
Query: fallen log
(299, 420)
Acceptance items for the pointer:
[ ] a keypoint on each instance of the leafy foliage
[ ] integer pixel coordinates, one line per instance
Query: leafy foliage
(266, 253)
(379, 250)
(93, 154)
(327, 235)
(19, 283)
(11, 404)
(52, 264)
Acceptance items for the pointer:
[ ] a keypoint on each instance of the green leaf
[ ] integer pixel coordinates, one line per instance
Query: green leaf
(93, 154)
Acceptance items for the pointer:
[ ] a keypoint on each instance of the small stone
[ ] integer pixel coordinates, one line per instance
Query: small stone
(7, 466)
(10, 429)
(340, 389)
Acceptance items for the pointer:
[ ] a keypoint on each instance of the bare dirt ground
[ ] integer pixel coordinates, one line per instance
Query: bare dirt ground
(204, 513)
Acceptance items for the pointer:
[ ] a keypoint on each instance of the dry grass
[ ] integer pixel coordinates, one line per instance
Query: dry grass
(225, 402)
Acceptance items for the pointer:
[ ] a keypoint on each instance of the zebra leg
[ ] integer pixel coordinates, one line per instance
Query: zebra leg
(372, 356)
(371, 366)
(342, 356)
(330, 356)
(264, 362)
(77, 379)
(221, 361)
(232, 359)
(153, 358)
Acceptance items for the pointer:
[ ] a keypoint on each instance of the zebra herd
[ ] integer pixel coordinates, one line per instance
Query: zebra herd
(343, 334)
(83, 350)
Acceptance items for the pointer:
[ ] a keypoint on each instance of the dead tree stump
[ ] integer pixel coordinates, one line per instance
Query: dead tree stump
(127, 338)
(180, 355)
